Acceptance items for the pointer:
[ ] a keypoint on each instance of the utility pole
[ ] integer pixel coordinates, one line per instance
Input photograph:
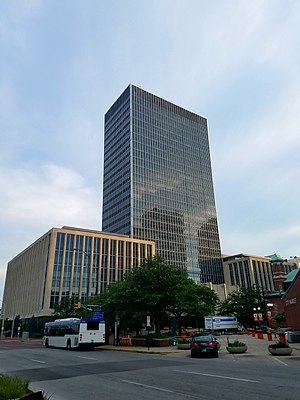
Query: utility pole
(88, 277)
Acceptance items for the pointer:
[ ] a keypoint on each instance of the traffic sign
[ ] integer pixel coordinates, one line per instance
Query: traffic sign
(148, 321)
(98, 315)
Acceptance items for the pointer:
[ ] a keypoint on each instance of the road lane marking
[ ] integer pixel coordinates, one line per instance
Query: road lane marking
(163, 390)
(88, 358)
(38, 361)
(148, 386)
(275, 358)
(218, 376)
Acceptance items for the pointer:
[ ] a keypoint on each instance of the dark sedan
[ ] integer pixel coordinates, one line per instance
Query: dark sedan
(204, 345)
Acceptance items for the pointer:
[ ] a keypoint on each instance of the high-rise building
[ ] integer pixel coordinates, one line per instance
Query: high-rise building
(158, 182)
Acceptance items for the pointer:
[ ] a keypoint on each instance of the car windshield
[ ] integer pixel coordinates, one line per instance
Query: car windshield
(202, 338)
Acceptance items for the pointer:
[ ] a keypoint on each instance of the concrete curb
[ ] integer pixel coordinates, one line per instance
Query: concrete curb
(135, 349)
(255, 346)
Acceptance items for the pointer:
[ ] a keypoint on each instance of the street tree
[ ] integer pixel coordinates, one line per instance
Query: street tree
(156, 289)
(279, 317)
(241, 303)
(66, 308)
(146, 290)
(192, 301)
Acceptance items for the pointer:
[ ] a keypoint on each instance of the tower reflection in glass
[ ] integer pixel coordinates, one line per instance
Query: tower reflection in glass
(158, 181)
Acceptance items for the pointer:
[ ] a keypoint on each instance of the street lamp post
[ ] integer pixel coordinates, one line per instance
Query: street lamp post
(269, 312)
(255, 318)
(88, 278)
(13, 326)
(3, 319)
(257, 315)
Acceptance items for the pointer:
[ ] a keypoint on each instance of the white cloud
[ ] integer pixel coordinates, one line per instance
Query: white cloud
(214, 47)
(235, 62)
(35, 201)
(15, 19)
(282, 239)
(274, 135)
(51, 195)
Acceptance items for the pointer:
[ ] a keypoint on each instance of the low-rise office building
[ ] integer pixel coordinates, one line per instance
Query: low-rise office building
(68, 262)
(245, 270)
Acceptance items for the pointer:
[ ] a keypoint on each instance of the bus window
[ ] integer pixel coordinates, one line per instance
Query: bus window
(92, 326)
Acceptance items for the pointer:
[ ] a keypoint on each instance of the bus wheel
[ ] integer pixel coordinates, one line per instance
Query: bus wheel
(47, 343)
(69, 347)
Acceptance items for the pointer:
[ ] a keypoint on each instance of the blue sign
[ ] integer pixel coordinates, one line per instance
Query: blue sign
(98, 315)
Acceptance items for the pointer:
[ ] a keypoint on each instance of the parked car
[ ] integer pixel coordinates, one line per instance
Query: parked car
(286, 329)
(204, 345)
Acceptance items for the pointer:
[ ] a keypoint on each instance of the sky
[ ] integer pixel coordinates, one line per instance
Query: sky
(64, 62)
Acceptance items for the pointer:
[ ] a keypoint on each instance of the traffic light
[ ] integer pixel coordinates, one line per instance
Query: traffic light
(78, 305)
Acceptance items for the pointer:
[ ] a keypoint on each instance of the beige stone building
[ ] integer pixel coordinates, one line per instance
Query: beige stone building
(245, 270)
(222, 289)
(68, 262)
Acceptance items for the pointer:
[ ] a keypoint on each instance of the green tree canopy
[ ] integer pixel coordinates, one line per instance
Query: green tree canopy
(192, 300)
(156, 289)
(66, 308)
(241, 303)
(279, 316)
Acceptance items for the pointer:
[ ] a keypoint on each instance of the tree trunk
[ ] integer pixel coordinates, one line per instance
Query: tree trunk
(179, 319)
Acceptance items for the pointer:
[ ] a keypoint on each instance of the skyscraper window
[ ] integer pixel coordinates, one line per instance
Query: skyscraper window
(158, 182)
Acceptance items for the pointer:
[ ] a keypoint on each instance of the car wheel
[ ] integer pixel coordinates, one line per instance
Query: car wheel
(216, 355)
(193, 355)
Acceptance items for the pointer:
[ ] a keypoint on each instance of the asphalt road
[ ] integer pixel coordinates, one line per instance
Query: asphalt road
(107, 374)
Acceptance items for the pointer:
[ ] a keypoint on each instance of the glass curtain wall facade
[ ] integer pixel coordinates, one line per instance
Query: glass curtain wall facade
(68, 262)
(158, 182)
(86, 263)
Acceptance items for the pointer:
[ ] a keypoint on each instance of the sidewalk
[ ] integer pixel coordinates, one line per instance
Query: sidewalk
(255, 346)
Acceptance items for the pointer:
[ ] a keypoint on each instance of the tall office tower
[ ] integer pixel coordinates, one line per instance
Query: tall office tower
(158, 182)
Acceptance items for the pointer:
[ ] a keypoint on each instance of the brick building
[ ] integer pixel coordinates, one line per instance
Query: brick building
(291, 300)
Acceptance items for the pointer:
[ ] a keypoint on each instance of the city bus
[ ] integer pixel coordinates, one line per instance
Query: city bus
(70, 333)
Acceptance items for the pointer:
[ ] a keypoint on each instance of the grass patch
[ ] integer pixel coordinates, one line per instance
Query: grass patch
(12, 387)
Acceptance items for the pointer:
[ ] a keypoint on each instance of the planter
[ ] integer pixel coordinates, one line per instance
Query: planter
(138, 342)
(164, 342)
(183, 346)
(236, 349)
(153, 342)
(280, 351)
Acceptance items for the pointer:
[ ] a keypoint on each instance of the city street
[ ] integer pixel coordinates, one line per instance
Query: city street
(107, 373)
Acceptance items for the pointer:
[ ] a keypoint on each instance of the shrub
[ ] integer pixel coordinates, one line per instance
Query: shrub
(279, 345)
(12, 387)
(279, 316)
(36, 335)
(236, 343)
(183, 341)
